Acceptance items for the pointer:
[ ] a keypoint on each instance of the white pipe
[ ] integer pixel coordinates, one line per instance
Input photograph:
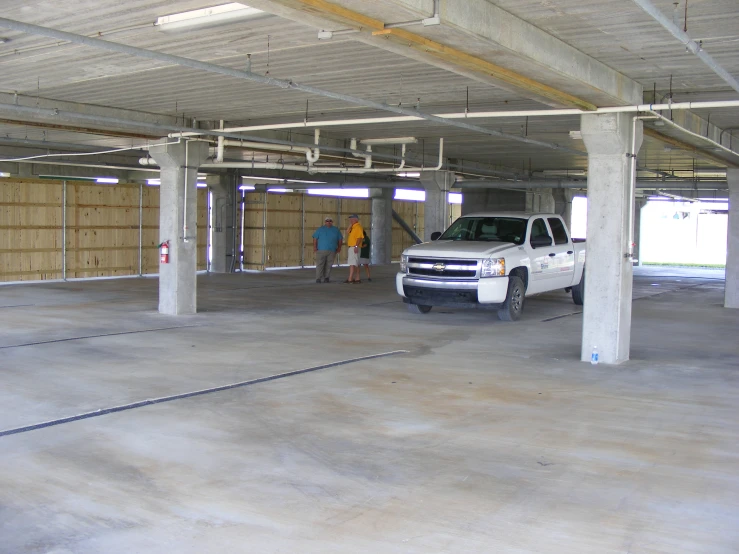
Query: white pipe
(482, 115)
(184, 212)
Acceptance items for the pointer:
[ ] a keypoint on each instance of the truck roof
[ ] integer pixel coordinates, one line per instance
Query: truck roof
(522, 215)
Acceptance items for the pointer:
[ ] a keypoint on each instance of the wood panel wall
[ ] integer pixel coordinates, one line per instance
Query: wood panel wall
(102, 229)
(291, 219)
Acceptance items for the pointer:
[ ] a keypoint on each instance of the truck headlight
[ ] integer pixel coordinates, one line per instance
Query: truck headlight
(403, 263)
(493, 267)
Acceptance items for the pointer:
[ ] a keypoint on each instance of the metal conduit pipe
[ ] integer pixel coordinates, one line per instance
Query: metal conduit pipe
(689, 43)
(270, 81)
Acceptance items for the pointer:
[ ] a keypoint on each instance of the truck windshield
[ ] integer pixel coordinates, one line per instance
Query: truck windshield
(487, 229)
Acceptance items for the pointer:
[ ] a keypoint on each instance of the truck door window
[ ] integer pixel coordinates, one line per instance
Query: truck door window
(538, 229)
(558, 230)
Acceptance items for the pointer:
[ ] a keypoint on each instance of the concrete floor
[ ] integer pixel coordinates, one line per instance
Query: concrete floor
(485, 437)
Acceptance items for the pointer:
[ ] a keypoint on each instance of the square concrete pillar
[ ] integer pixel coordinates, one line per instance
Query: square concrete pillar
(609, 271)
(731, 291)
(223, 188)
(178, 203)
(381, 232)
(436, 210)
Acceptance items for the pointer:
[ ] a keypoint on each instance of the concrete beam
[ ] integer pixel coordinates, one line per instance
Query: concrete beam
(477, 28)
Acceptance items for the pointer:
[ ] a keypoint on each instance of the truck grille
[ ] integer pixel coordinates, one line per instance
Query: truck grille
(443, 268)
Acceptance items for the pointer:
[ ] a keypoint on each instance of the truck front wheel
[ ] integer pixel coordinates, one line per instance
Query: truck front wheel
(513, 305)
(418, 309)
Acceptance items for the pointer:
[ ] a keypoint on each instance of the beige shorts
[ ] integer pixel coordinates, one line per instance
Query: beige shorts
(353, 256)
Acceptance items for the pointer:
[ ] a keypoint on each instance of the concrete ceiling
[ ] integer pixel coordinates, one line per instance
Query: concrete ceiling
(596, 52)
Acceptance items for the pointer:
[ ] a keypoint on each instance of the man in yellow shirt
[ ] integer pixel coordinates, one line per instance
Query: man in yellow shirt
(354, 238)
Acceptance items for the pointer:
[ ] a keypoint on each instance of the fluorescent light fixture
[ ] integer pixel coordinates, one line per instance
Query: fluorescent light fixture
(407, 194)
(397, 140)
(202, 185)
(207, 17)
(247, 187)
(106, 181)
(153, 182)
(344, 193)
(410, 174)
(3, 174)
(279, 190)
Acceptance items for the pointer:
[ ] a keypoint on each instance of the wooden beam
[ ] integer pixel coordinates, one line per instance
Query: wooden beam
(462, 59)
(355, 20)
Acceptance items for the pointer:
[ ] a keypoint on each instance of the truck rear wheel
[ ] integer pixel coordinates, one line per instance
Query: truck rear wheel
(418, 309)
(513, 305)
(578, 291)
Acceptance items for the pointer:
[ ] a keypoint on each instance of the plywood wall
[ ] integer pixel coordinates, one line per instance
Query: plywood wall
(103, 222)
(102, 229)
(30, 230)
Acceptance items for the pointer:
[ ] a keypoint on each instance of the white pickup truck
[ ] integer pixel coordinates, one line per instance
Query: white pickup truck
(492, 260)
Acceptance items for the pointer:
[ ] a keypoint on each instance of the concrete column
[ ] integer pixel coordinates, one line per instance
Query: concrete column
(436, 208)
(222, 186)
(381, 232)
(609, 272)
(731, 291)
(179, 164)
(497, 200)
(639, 203)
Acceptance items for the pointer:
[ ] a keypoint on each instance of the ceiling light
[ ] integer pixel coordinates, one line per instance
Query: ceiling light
(279, 190)
(410, 174)
(253, 179)
(397, 140)
(106, 181)
(3, 174)
(247, 187)
(207, 17)
(153, 182)
(202, 185)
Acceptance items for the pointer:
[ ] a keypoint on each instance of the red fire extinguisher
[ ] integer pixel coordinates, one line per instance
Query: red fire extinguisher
(164, 256)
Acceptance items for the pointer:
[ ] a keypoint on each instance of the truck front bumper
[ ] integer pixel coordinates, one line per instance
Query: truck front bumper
(489, 292)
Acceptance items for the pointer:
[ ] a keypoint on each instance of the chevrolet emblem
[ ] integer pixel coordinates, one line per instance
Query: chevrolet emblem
(439, 267)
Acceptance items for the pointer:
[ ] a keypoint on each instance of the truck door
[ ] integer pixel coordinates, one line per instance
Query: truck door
(540, 259)
(562, 255)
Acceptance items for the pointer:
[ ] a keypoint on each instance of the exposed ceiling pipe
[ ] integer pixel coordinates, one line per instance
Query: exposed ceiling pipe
(490, 115)
(689, 43)
(269, 81)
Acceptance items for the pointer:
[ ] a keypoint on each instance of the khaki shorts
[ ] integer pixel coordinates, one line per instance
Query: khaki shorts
(352, 256)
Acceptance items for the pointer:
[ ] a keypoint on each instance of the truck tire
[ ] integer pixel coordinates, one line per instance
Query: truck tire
(418, 309)
(578, 291)
(513, 305)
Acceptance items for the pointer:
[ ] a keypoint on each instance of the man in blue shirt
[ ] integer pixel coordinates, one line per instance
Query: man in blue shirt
(327, 242)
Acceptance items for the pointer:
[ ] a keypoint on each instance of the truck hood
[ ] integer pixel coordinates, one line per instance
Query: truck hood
(464, 249)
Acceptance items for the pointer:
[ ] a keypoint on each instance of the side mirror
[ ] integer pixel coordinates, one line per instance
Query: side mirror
(541, 240)
(435, 235)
